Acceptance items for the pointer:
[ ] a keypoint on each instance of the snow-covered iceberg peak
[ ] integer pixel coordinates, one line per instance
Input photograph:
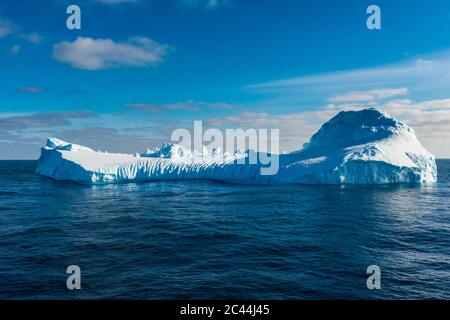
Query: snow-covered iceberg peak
(354, 147)
(57, 144)
(167, 150)
(349, 128)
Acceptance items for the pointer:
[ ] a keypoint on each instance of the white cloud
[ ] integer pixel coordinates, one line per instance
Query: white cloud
(8, 27)
(33, 37)
(295, 128)
(206, 4)
(30, 90)
(369, 95)
(364, 77)
(115, 1)
(97, 54)
(428, 76)
(189, 105)
(424, 62)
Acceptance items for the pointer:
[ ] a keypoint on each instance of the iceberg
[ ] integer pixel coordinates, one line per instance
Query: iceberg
(354, 147)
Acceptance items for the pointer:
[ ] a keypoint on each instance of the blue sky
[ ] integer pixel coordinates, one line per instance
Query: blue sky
(138, 69)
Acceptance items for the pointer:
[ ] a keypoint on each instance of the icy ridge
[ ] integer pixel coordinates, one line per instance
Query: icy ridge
(354, 147)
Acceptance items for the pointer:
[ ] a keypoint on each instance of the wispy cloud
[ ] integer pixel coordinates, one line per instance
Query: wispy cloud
(369, 95)
(295, 128)
(111, 139)
(189, 105)
(13, 124)
(202, 4)
(33, 37)
(97, 54)
(22, 135)
(427, 74)
(30, 90)
(52, 91)
(112, 2)
(8, 27)
(206, 4)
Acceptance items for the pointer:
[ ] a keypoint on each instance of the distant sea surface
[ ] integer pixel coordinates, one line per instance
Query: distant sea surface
(209, 240)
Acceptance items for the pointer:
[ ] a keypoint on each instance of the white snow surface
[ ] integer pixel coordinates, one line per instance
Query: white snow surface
(354, 147)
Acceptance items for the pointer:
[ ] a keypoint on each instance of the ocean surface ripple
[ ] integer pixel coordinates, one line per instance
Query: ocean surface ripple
(209, 240)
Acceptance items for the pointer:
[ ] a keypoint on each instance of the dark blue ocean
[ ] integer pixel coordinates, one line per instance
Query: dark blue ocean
(196, 240)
